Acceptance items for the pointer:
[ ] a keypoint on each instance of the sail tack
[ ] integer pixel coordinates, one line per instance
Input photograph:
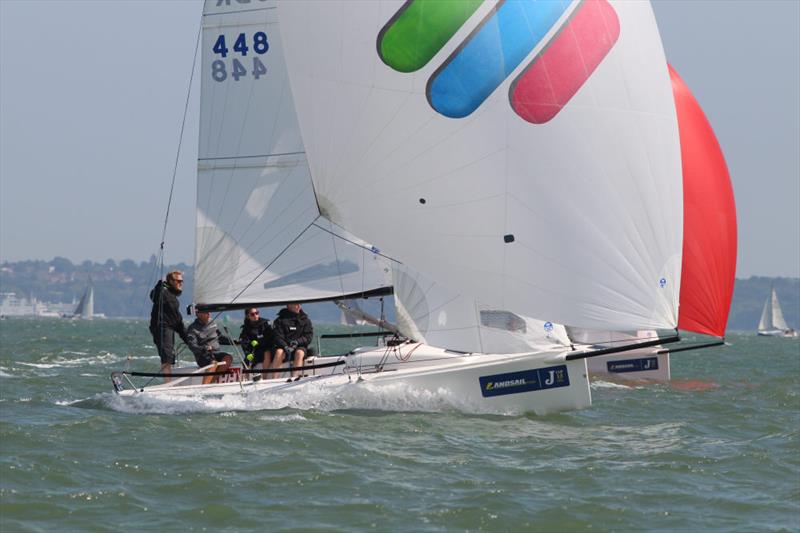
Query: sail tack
(577, 220)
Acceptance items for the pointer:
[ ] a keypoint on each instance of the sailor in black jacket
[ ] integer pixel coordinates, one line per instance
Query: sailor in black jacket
(293, 333)
(166, 319)
(257, 339)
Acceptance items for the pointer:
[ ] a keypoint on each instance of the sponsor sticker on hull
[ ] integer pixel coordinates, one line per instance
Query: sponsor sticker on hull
(524, 381)
(633, 365)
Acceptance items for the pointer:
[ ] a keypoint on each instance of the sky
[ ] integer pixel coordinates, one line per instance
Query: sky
(92, 97)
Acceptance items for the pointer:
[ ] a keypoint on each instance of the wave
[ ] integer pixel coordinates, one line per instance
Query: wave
(600, 384)
(314, 396)
(105, 358)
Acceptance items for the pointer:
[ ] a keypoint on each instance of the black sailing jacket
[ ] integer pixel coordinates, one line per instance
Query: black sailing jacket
(166, 313)
(293, 328)
(260, 331)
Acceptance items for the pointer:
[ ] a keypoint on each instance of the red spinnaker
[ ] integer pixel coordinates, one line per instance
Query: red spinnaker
(709, 221)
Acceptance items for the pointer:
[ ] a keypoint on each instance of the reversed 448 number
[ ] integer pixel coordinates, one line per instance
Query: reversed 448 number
(258, 45)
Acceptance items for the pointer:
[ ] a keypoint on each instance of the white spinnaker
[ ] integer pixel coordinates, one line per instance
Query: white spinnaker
(593, 198)
(430, 312)
(259, 236)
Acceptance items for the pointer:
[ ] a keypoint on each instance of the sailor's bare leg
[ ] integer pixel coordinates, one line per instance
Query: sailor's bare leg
(166, 368)
(265, 365)
(277, 362)
(299, 355)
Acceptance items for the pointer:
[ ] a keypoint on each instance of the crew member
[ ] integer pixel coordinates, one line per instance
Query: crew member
(203, 339)
(293, 333)
(166, 319)
(257, 339)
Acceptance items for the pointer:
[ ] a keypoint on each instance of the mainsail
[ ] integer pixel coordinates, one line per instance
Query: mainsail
(260, 238)
(85, 308)
(572, 215)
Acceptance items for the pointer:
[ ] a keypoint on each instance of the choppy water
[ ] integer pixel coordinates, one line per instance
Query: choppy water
(717, 450)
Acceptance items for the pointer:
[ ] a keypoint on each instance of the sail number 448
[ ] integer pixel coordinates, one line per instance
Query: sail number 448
(256, 45)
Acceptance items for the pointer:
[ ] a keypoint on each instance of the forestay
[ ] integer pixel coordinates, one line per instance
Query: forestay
(259, 236)
(550, 186)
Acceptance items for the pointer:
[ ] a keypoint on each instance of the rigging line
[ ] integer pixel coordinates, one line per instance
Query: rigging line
(248, 156)
(266, 244)
(339, 266)
(160, 261)
(267, 8)
(273, 261)
(180, 138)
(150, 282)
(373, 250)
(584, 354)
(720, 342)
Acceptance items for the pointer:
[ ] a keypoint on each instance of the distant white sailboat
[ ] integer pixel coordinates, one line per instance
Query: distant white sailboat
(85, 308)
(772, 323)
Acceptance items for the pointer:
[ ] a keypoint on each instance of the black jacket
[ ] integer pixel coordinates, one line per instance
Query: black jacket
(259, 331)
(166, 312)
(293, 328)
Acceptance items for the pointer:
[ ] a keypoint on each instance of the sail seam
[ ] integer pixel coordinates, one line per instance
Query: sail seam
(239, 11)
(248, 156)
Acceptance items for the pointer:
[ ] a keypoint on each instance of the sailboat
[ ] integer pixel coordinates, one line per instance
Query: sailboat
(708, 268)
(485, 162)
(772, 323)
(85, 308)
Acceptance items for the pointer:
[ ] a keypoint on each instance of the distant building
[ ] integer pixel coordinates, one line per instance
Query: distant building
(12, 305)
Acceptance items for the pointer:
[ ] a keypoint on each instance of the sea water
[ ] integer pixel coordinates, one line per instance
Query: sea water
(718, 449)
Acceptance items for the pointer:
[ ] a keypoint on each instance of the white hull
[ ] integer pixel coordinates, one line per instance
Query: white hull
(778, 333)
(634, 365)
(534, 382)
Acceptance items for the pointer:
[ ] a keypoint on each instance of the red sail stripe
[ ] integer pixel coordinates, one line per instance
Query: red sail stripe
(556, 74)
